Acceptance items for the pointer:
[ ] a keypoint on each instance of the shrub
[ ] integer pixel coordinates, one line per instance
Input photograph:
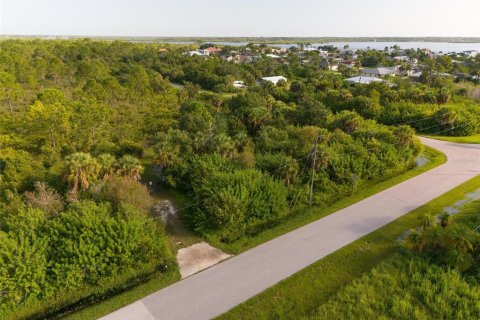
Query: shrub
(45, 198)
(405, 289)
(233, 203)
(122, 190)
(87, 245)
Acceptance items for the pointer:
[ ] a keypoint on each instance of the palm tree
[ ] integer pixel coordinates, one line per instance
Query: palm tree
(405, 135)
(128, 166)
(460, 245)
(416, 241)
(81, 170)
(405, 68)
(223, 144)
(445, 219)
(446, 116)
(289, 170)
(106, 162)
(428, 221)
(461, 238)
(323, 158)
(434, 238)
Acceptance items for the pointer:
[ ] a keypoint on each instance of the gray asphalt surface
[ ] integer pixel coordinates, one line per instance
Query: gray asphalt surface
(218, 289)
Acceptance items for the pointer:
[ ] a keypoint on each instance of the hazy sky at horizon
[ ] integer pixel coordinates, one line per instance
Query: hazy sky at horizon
(408, 18)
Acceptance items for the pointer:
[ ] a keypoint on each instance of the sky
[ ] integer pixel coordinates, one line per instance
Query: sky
(255, 18)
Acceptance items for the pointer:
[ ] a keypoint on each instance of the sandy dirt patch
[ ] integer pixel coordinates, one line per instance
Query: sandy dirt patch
(197, 257)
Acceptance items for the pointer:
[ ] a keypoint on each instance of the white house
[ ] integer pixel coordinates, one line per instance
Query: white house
(405, 59)
(239, 84)
(417, 74)
(363, 80)
(323, 53)
(471, 53)
(273, 56)
(275, 80)
(332, 66)
(196, 53)
(379, 72)
(401, 58)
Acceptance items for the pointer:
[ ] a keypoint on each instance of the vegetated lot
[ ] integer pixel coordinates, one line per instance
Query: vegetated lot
(384, 275)
(434, 157)
(79, 117)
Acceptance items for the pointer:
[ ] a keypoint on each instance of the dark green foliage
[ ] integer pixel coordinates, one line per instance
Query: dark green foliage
(237, 202)
(405, 289)
(446, 242)
(85, 245)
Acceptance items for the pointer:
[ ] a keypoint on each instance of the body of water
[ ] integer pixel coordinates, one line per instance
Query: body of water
(444, 47)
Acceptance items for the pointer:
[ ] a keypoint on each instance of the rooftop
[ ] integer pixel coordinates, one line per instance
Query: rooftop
(363, 80)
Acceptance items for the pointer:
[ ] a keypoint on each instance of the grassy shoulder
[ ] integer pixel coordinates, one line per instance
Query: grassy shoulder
(301, 294)
(158, 281)
(91, 302)
(405, 286)
(469, 139)
(293, 222)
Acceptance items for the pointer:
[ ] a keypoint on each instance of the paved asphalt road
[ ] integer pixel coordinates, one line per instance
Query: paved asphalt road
(216, 290)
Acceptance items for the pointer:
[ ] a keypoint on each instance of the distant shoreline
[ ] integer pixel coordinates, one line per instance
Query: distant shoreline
(269, 40)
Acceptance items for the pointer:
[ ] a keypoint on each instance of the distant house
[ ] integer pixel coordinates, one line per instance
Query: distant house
(405, 59)
(428, 52)
(275, 80)
(363, 80)
(276, 51)
(348, 54)
(470, 53)
(210, 50)
(349, 63)
(401, 58)
(239, 84)
(273, 56)
(233, 58)
(332, 66)
(323, 53)
(197, 53)
(417, 74)
(379, 72)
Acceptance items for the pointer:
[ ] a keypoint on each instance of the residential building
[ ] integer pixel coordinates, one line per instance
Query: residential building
(239, 84)
(273, 56)
(471, 53)
(210, 50)
(363, 80)
(379, 72)
(329, 65)
(200, 53)
(405, 59)
(275, 80)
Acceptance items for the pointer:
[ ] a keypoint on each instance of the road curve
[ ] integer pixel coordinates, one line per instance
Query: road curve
(216, 290)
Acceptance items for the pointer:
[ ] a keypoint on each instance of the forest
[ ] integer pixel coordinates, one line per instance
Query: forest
(80, 120)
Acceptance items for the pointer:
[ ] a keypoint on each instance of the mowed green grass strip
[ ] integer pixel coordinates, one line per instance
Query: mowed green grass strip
(301, 294)
(468, 139)
(113, 303)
